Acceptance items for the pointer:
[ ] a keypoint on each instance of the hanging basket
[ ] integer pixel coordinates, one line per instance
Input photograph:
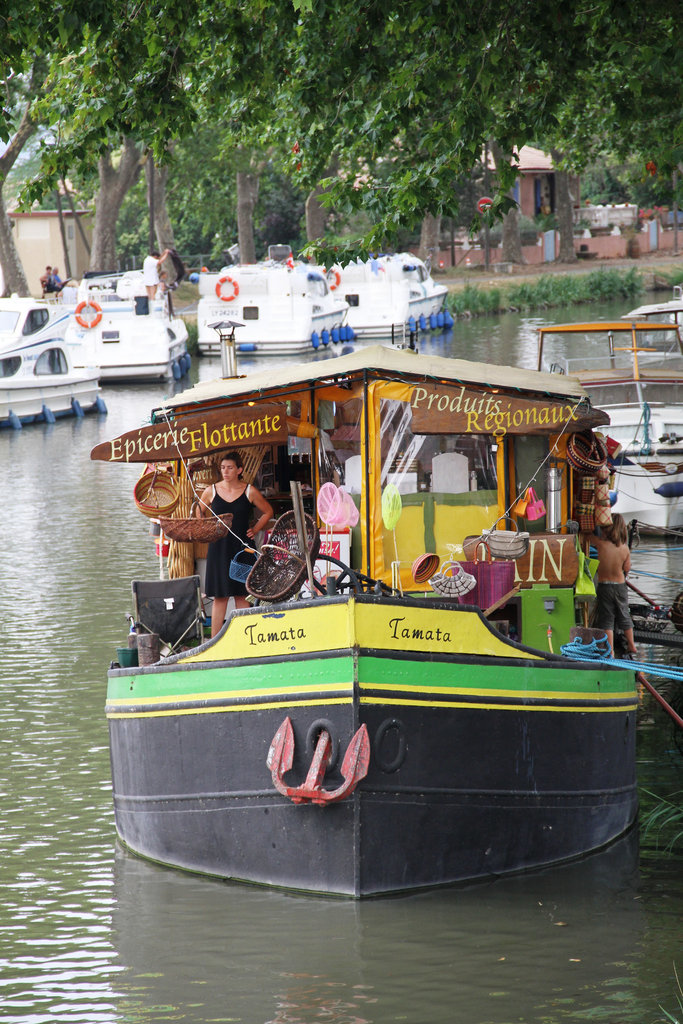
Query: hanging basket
(156, 494)
(204, 531)
(506, 544)
(281, 568)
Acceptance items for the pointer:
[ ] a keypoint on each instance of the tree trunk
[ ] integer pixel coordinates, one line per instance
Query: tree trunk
(114, 184)
(564, 209)
(429, 237)
(163, 229)
(12, 270)
(247, 194)
(511, 242)
(316, 215)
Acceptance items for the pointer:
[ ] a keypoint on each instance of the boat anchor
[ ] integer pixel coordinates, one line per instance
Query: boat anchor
(354, 766)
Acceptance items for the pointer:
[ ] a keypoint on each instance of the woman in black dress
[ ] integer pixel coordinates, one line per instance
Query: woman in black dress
(230, 494)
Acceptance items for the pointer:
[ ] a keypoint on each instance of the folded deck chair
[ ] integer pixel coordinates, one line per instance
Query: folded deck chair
(170, 608)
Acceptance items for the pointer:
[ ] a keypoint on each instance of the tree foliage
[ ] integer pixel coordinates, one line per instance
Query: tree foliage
(403, 93)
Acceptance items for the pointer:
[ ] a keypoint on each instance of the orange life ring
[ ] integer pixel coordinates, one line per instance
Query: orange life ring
(235, 289)
(336, 276)
(84, 305)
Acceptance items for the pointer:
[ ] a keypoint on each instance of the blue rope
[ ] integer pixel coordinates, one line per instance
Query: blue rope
(595, 650)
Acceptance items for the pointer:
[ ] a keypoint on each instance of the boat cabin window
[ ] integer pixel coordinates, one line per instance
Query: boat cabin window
(9, 366)
(36, 319)
(52, 361)
(317, 286)
(351, 300)
(530, 452)
(8, 321)
(250, 312)
(339, 459)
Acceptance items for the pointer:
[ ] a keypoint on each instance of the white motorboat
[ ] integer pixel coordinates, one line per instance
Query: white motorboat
(41, 375)
(132, 338)
(390, 296)
(670, 312)
(282, 308)
(634, 371)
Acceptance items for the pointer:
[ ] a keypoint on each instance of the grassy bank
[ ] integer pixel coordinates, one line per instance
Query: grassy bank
(546, 291)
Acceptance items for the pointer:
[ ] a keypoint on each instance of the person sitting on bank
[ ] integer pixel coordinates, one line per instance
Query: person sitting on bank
(45, 280)
(150, 271)
(614, 558)
(56, 280)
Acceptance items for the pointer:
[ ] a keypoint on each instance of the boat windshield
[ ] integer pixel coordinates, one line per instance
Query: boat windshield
(9, 318)
(620, 394)
(583, 353)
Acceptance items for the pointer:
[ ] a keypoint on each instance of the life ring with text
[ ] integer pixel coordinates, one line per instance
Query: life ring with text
(92, 321)
(333, 279)
(233, 284)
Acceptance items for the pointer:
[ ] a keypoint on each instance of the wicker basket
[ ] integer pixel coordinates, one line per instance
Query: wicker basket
(156, 493)
(280, 569)
(204, 530)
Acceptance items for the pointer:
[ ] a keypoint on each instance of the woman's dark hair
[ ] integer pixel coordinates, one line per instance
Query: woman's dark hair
(233, 456)
(618, 531)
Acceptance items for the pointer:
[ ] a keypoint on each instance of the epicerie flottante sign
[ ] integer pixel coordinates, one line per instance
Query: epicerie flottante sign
(188, 436)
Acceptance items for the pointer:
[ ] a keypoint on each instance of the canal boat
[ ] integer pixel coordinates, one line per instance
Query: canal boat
(133, 339)
(283, 308)
(634, 370)
(661, 312)
(390, 296)
(42, 376)
(378, 736)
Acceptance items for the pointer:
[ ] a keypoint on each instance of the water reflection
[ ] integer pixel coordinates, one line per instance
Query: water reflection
(513, 950)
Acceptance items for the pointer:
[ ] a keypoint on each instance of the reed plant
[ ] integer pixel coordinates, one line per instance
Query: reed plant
(545, 292)
(664, 821)
(678, 1018)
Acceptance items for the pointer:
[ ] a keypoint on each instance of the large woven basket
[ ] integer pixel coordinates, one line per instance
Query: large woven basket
(281, 568)
(156, 493)
(205, 530)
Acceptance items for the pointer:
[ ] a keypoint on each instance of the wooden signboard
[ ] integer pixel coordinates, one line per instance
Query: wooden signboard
(443, 409)
(551, 559)
(214, 431)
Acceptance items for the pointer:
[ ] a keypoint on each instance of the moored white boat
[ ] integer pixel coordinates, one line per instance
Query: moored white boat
(283, 309)
(634, 370)
(390, 296)
(42, 377)
(662, 312)
(132, 338)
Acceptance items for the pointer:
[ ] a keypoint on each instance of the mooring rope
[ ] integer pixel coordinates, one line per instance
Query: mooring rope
(599, 650)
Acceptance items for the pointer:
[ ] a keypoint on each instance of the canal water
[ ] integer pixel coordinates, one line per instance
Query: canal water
(89, 933)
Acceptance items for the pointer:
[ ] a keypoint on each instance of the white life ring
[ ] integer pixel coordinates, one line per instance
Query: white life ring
(235, 289)
(93, 321)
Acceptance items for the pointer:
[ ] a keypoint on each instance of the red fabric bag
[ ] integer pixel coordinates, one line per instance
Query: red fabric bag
(494, 579)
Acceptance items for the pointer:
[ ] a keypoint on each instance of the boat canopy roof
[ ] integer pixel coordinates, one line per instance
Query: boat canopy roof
(605, 327)
(384, 362)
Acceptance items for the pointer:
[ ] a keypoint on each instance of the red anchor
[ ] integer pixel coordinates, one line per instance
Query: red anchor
(354, 766)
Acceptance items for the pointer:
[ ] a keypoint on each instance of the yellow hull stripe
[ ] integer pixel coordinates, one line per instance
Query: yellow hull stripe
(517, 693)
(170, 712)
(496, 707)
(225, 694)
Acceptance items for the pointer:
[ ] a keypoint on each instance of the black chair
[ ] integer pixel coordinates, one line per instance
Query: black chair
(170, 608)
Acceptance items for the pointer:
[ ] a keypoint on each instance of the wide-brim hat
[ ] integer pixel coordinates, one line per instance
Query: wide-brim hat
(586, 452)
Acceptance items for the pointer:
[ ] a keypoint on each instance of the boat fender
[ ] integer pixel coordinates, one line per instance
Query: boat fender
(14, 421)
(333, 279)
(448, 319)
(187, 361)
(177, 371)
(92, 321)
(325, 336)
(670, 489)
(76, 408)
(432, 322)
(247, 346)
(234, 289)
(412, 324)
(315, 339)
(47, 414)
(336, 337)
(100, 405)
(440, 319)
(422, 322)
